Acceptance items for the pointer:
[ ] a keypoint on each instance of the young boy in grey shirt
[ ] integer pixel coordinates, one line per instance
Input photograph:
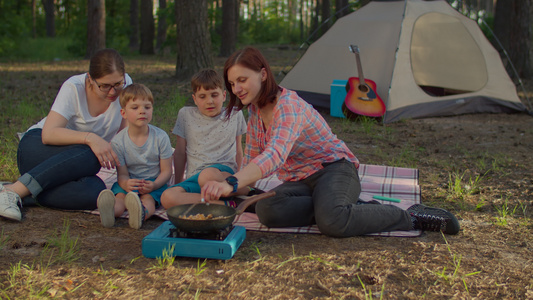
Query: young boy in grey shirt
(145, 157)
(208, 145)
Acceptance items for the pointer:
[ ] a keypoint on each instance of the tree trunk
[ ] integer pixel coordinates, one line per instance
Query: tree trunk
(511, 27)
(230, 26)
(147, 27)
(302, 23)
(161, 27)
(49, 18)
(95, 26)
(325, 16)
(315, 21)
(134, 26)
(341, 8)
(34, 18)
(193, 38)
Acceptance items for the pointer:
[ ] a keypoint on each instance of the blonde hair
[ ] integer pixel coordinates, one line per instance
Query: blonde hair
(135, 90)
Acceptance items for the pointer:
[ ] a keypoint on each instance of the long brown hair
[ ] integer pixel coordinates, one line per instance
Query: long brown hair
(253, 59)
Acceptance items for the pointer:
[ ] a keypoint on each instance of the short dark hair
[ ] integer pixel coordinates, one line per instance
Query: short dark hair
(253, 59)
(208, 79)
(135, 90)
(105, 62)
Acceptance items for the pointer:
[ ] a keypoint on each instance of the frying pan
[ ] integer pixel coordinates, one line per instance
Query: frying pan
(223, 215)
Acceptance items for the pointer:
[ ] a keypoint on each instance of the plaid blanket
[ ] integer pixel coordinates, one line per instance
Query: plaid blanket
(393, 182)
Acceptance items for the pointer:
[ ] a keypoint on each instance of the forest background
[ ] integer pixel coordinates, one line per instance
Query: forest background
(195, 31)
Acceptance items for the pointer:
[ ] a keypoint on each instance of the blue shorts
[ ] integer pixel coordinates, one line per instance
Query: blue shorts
(116, 189)
(190, 185)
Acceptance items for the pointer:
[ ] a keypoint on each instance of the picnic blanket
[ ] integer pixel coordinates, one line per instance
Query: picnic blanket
(393, 182)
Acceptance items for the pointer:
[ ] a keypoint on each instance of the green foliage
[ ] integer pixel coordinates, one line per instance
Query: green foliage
(14, 26)
(487, 27)
(117, 25)
(271, 22)
(215, 30)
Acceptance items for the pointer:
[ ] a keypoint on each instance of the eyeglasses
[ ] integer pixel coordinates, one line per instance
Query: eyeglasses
(107, 87)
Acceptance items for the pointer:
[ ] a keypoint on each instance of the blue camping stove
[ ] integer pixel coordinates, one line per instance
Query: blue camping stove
(216, 245)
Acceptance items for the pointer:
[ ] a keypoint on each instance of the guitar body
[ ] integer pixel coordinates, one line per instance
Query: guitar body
(362, 98)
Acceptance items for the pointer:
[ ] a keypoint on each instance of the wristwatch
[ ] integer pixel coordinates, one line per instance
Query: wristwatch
(233, 181)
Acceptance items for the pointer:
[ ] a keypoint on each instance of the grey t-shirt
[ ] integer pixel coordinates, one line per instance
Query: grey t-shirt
(143, 162)
(210, 140)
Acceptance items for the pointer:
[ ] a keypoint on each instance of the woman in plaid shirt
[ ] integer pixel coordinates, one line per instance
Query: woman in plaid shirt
(287, 136)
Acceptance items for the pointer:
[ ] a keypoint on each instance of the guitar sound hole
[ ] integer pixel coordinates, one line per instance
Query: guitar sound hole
(363, 88)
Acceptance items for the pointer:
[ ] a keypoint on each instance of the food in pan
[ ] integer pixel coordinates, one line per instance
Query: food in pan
(200, 217)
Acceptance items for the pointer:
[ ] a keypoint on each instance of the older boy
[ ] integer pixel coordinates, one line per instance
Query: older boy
(208, 143)
(145, 157)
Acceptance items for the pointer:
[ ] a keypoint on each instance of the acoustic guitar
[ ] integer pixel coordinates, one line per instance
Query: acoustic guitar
(361, 98)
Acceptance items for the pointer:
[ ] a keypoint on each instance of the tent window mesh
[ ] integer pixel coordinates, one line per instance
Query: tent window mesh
(445, 58)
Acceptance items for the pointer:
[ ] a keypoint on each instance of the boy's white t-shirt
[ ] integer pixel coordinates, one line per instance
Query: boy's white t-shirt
(143, 162)
(210, 140)
(71, 103)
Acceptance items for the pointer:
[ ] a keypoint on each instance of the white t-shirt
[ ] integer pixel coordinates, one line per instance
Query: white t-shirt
(143, 161)
(71, 103)
(210, 140)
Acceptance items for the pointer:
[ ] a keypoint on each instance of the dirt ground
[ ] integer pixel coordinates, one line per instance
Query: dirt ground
(477, 166)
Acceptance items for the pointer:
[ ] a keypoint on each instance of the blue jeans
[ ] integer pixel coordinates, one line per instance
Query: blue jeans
(62, 177)
(328, 198)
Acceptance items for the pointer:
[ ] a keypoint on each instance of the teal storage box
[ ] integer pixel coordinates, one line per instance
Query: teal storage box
(336, 97)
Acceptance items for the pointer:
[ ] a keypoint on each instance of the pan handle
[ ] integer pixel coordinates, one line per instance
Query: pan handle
(240, 209)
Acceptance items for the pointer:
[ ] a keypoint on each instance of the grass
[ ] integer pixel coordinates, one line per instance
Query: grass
(32, 280)
(165, 112)
(19, 115)
(456, 272)
(201, 267)
(3, 239)
(368, 290)
(26, 280)
(62, 248)
(166, 260)
(504, 212)
(50, 49)
(306, 257)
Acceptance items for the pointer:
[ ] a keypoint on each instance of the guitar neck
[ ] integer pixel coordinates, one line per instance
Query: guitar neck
(359, 68)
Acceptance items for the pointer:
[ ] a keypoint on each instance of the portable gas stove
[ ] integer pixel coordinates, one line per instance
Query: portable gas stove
(216, 245)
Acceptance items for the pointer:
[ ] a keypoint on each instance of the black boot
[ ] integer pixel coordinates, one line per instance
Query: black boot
(433, 219)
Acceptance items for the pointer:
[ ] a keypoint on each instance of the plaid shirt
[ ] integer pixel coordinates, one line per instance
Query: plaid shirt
(297, 142)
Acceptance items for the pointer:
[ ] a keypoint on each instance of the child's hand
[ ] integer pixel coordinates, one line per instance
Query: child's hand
(147, 186)
(134, 185)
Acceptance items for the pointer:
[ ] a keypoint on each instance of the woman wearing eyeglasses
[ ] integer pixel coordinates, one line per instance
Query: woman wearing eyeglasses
(60, 156)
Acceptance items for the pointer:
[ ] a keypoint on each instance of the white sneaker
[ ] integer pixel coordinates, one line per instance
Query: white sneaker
(106, 206)
(10, 204)
(135, 209)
